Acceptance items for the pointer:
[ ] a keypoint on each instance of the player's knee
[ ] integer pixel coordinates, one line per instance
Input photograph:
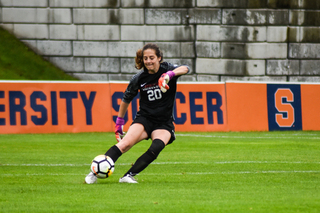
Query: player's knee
(156, 147)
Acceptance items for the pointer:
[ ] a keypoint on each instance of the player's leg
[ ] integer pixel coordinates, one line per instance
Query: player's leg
(135, 134)
(160, 138)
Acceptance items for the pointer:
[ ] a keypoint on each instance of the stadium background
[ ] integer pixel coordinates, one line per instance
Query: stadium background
(251, 40)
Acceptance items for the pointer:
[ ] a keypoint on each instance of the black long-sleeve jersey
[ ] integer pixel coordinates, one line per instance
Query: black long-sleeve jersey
(154, 104)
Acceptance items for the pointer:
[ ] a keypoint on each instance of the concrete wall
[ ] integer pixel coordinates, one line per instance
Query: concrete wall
(255, 40)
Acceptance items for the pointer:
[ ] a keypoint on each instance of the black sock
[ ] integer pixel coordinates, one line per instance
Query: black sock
(114, 153)
(150, 155)
(142, 162)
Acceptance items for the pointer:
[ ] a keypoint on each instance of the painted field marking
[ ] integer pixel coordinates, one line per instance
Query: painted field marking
(294, 136)
(169, 163)
(168, 174)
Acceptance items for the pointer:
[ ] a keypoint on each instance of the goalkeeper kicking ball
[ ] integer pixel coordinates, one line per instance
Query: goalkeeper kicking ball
(102, 166)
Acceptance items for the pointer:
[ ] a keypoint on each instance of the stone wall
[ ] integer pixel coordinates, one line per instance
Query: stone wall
(255, 40)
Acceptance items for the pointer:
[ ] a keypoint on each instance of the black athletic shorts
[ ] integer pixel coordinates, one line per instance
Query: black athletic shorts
(150, 126)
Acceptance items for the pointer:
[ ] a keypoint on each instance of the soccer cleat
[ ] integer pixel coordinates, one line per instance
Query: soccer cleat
(127, 179)
(91, 178)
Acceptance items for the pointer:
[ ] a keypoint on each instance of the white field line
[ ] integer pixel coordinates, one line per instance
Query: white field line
(170, 174)
(166, 163)
(294, 136)
(172, 163)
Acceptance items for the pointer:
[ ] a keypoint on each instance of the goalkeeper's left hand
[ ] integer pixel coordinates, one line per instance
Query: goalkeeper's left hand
(164, 80)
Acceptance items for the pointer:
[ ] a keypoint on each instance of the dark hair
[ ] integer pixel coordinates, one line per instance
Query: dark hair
(139, 54)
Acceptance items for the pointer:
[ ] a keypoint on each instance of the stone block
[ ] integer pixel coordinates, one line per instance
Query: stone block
(181, 61)
(234, 50)
(277, 34)
(71, 64)
(170, 49)
(294, 4)
(187, 50)
(304, 34)
(278, 17)
(54, 48)
(255, 78)
(313, 79)
(232, 3)
(108, 16)
(98, 32)
(208, 49)
(88, 48)
(307, 4)
(188, 78)
(231, 33)
(123, 49)
(283, 67)
(101, 3)
(91, 76)
(170, 3)
(204, 16)
(309, 67)
(120, 77)
(128, 65)
(304, 18)
(207, 78)
(304, 50)
(19, 3)
(66, 3)
(36, 15)
(62, 16)
(31, 31)
(133, 3)
(131, 16)
(63, 32)
(84, 3)
(220, 66)
(81, 16)
(230, 67)
(163, 16)
(158, 3)
(138, 33)
(174, 33)
(310, 34)
(266, 50)
(25, 15)
(244, 16)
(102, 64)
(255, 67)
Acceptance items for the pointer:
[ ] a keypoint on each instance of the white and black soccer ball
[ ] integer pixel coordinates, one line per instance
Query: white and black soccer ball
(102, 166)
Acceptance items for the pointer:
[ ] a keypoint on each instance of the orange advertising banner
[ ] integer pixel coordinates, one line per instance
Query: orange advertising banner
(57, 107)
(310, 106)
(247, 106)
(49, 107)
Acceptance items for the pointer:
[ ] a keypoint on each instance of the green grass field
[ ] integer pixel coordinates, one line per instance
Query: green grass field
(199, 172)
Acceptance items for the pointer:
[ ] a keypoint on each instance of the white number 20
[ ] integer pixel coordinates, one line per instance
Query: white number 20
(154, 94)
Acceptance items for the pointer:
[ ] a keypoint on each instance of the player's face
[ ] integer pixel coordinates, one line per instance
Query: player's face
(151, 61)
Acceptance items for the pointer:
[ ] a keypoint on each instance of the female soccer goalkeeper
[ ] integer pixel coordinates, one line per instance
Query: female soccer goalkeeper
(157, 83)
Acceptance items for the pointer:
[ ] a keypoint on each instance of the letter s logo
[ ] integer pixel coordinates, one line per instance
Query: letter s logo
(286, 115)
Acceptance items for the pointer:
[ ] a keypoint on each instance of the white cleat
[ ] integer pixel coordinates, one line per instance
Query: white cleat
(91, 178)
(127, 179)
